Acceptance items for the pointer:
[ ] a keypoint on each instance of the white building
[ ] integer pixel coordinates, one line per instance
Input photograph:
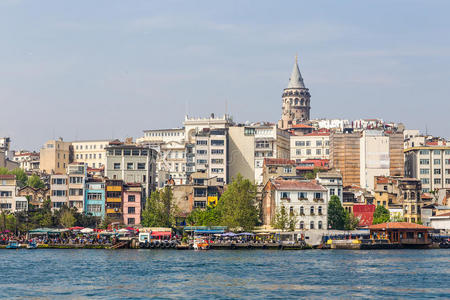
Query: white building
(8, 193)
(306, 199)
(315, 145)
(59, 190)
(91, 152)
(332, 181)
(28, 161)
(374, 157)
(441, 222)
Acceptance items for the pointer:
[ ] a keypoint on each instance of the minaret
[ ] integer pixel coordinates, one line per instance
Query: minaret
(295, 100)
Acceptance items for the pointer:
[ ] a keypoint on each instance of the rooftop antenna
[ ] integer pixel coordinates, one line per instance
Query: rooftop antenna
(186, 107)
(426, 130)
(226, 108)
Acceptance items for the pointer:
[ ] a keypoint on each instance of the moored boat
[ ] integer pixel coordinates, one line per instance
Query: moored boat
(13, 245)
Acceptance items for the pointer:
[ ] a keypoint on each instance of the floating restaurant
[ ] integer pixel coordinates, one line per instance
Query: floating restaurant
(402, 233)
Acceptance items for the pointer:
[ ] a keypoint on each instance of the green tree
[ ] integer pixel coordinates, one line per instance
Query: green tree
(336, 213)
(237, 205)
(351, 222)
(67, 219)
(160, 209)
(105, 222)
(381, 215)
(281, 219)
(204, 217)
(312, 175)
(21, 177)
(35, 181)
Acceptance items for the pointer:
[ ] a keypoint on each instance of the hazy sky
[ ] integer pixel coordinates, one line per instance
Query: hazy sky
(102, 69)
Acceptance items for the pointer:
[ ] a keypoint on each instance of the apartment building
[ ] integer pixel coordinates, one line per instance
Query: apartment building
(206, 190)
(28, 161)
(113, 200)
(55, 156)
(90, 152)
(306, 199)
(332, 181)
(77, 177)
(315, 145)
(59, 190)
(344, 156)
(132, 164)
(278, 167)
(132, 204)
(429, 164)
(176, 147)
(94, 201)
(7, 193)
(211, 154)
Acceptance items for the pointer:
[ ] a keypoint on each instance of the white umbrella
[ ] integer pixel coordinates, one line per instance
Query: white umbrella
(87, 230)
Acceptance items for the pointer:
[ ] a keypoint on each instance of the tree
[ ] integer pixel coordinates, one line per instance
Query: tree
(312, 175)
(21, 176)
(35, 181)
(160, 210)
(105, 222)
(336, 213)
(351, 222)
(381, 215)
(204, 217)
(281, 219)
(67, 219)
(237, 205)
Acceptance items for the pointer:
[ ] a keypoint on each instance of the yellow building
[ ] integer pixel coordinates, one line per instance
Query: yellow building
(55, 156)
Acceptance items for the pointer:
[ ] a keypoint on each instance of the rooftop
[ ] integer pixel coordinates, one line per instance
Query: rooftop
(297, 185)
(278, 161)
(399, 225)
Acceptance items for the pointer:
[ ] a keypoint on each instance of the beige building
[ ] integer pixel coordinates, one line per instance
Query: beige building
(92, 152)
(55, 156)
(8, 193)
(59, 190)
(132, 164)
(429, 164)
(315, 145)
(77, 178)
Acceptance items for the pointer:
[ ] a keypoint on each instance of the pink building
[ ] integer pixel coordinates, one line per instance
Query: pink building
(132, 204)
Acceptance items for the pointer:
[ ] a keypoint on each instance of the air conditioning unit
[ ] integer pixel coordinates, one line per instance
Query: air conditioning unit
(116, 209)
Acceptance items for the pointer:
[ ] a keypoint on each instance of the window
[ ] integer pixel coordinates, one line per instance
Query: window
(92, 208)
(318, 143)
(59, 193)
(284, 195)
(202, 152)
(319, 210)
(302, 195)
(437, 181)
(311, 210)
(447, 161)
(318, 195)
(447, 171)
(291, 211)
(302, 225)
(311, 225)
(262, 144)
(299, 143)
(447, 180)
(217, 161)
(424, 152)
(131, 210)
(202, 161)
(94, 196)
(141, 166)
(76, 156)
(129, 166)
(5, 194)
(437, 152)
(447, 152)
(437, 161)
(302, 212)
(118, 152)
(131, 198)
(287, 169)
(116, 166)
(424, 171)
(307, 143)
(298, 152)
(202, 142)
(199, 204)
(217, 170)
(217, 142)
(424, 161)
(327, 151)
(308, 151)
(437, 171)
(135, 152)
(332, 192)
(131, 221)
(318, 151)
(425, 181)
(319, 226)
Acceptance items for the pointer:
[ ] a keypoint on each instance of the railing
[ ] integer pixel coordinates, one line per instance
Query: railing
(286, 198)
(420, 241)
(318, 199)
(302, 198)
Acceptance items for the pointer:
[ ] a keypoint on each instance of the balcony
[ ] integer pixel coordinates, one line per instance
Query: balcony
(318, 200)
(113, 210)
(286, 199)
(302, 199)
(113, 199)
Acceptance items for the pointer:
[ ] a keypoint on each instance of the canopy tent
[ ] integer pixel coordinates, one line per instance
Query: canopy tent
(229, 234)
(161, 233)
(208, 231)
(246, 233)
(87, 230)
(46, 231)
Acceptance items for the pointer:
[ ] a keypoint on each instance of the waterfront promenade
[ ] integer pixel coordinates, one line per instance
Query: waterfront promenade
(139, 274)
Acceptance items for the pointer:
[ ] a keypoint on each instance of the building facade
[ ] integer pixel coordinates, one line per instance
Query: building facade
(77, 178)
(94, 201)
(132, 204)
(306, 199)
(91, 152)
(332, 181)
(7, 193)
(28, 161)
(113, 200)
(429, 164)
(55, 156)
(315, 145)
(59, 190)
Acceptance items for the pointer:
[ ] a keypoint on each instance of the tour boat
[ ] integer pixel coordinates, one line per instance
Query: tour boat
(200, 244)
(13, 245)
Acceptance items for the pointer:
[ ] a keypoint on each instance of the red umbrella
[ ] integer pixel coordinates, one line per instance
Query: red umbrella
(76, 228)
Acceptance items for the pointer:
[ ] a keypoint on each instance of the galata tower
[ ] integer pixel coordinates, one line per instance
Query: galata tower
(295, 101)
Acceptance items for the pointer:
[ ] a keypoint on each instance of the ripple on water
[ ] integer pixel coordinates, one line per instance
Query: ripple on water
(101, 274)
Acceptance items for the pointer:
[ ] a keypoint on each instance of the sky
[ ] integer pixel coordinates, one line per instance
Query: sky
(110, 69)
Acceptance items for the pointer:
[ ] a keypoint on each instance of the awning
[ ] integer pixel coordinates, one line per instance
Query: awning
(161, 233)
(208, 231)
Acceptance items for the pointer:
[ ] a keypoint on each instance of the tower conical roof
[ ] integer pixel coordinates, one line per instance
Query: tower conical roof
(296, 80)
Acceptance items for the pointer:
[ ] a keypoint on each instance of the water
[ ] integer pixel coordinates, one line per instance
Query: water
(138, 274)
